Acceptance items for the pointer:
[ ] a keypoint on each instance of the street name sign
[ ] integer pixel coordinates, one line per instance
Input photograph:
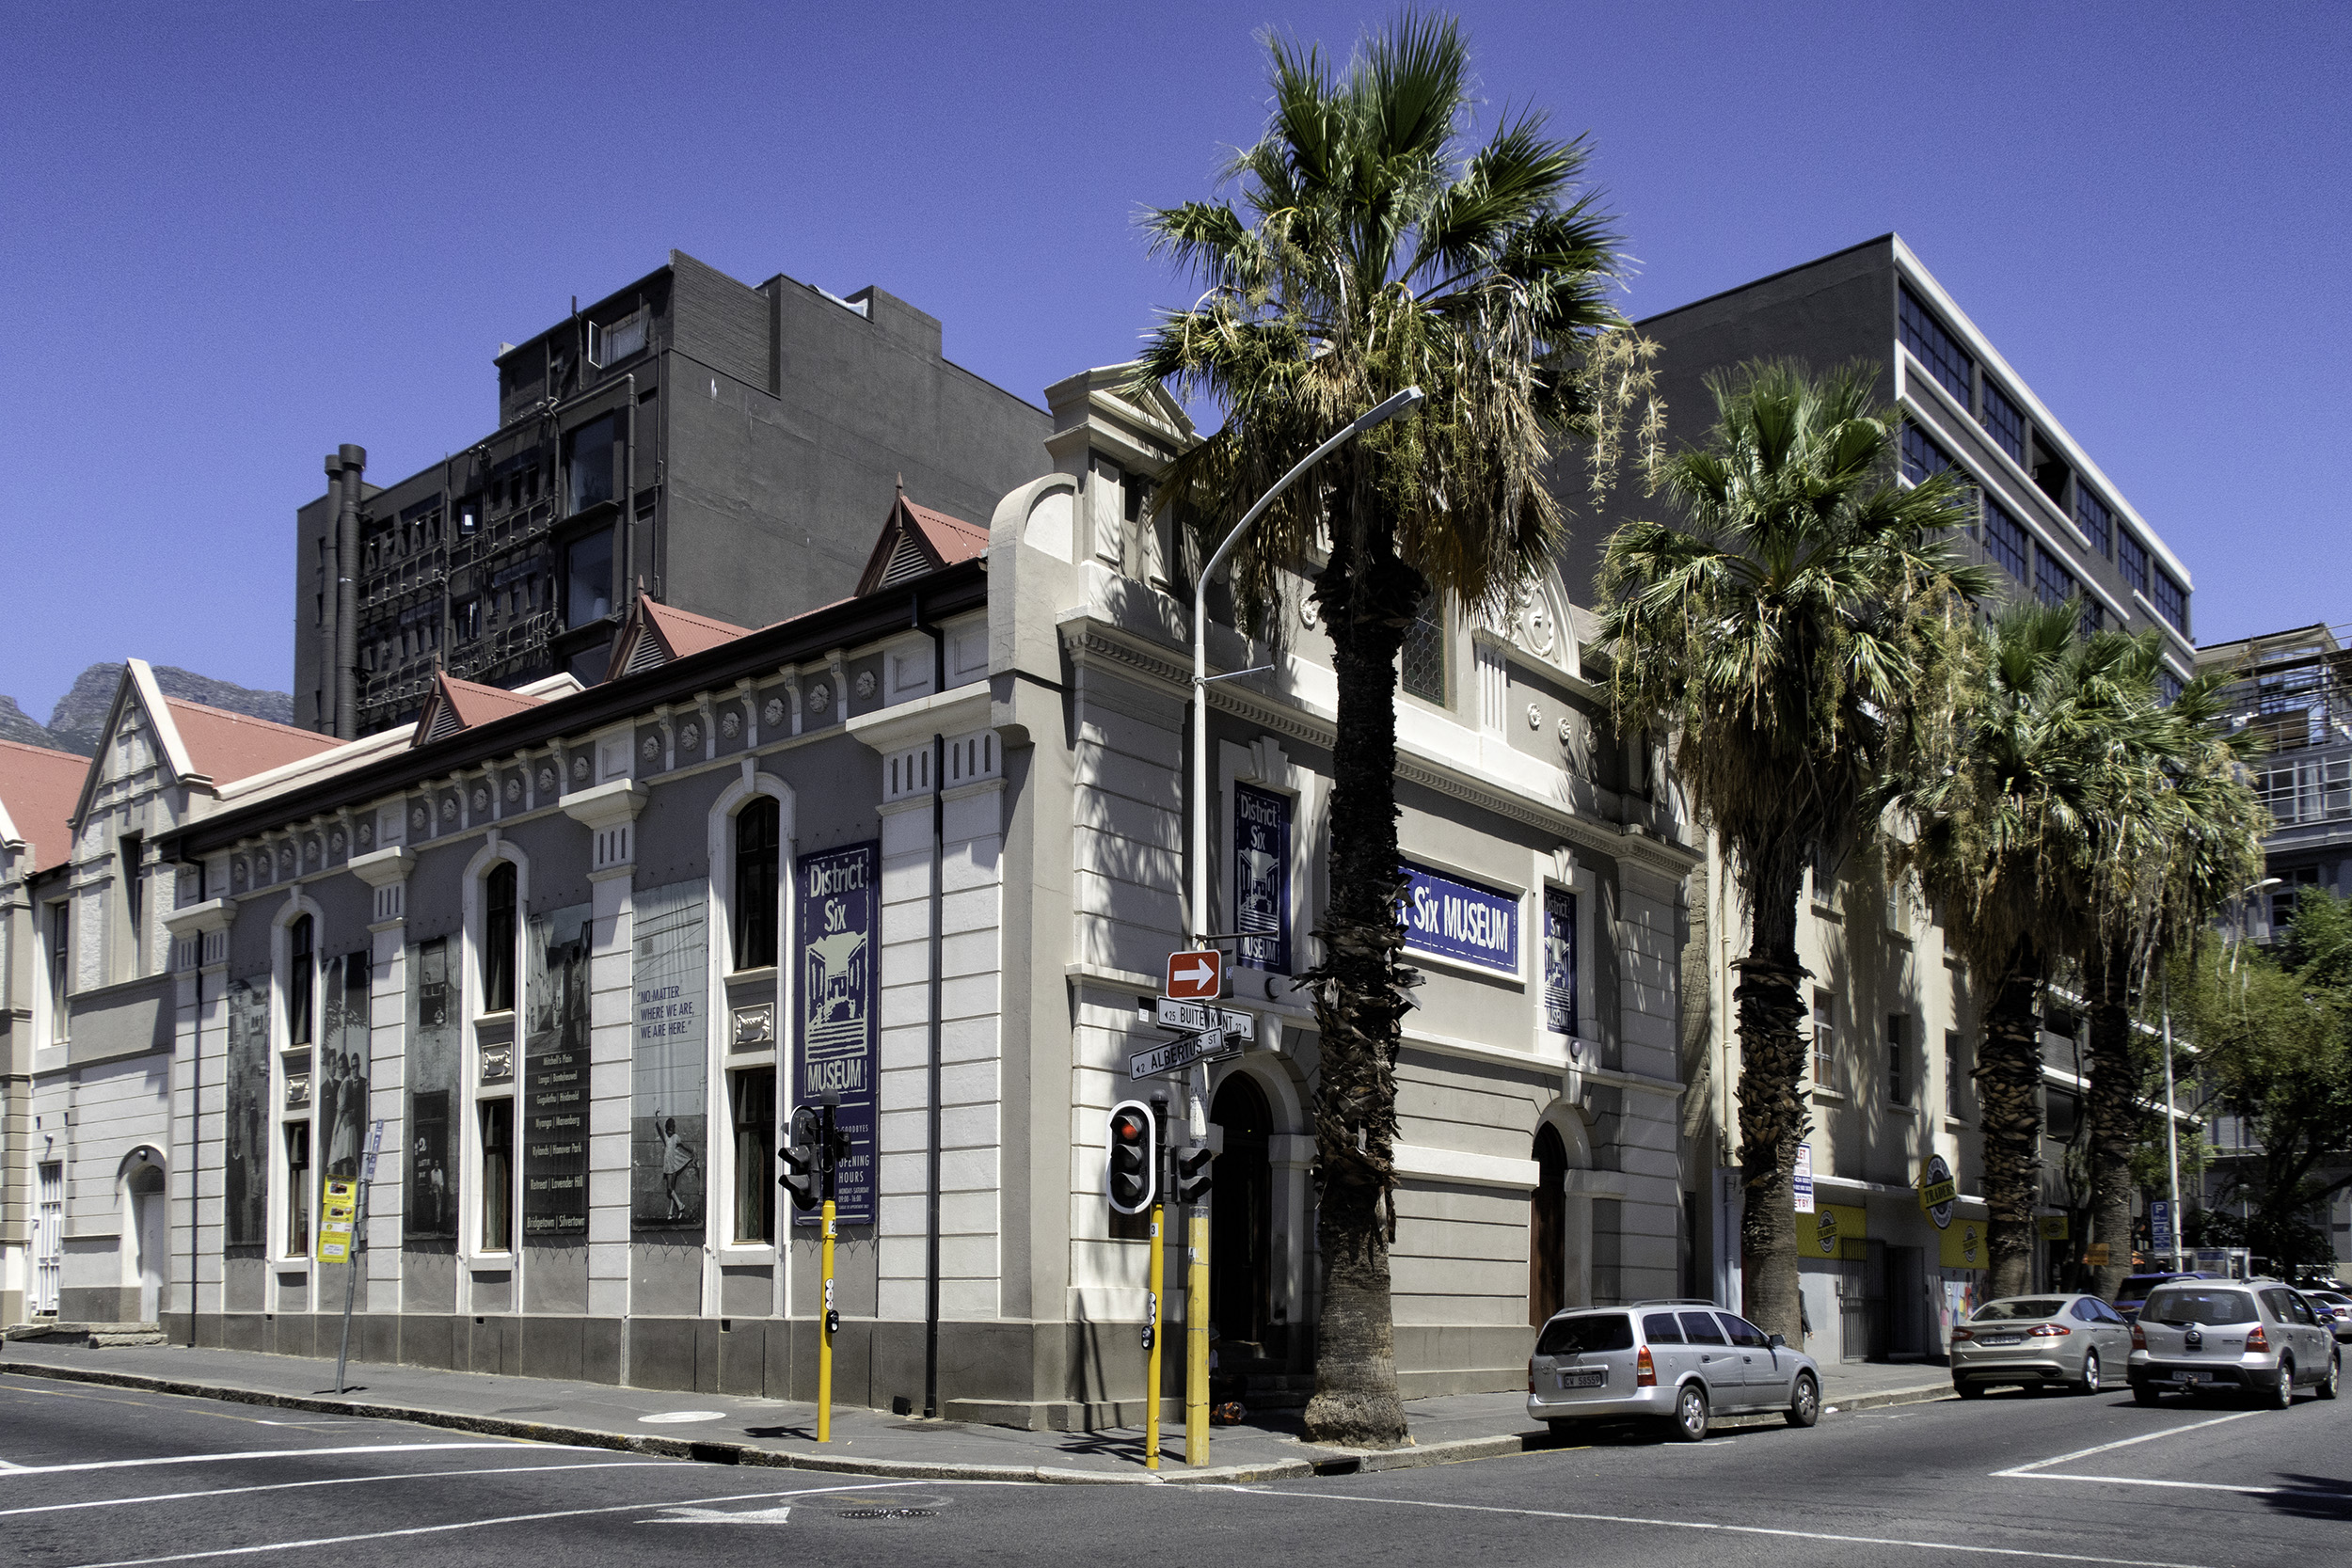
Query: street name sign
(1178, 1054)
(1193, 1017)
(1195, 976)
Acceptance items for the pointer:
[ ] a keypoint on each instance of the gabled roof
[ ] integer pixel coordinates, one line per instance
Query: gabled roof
(453, 704)
(916, 540)
(38, 788)
(656, 634)
(226, 746)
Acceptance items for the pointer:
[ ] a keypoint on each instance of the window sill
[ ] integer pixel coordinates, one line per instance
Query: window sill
(1955, 1124)
(1828, 1097)
(748, 1252)
(1830, 912)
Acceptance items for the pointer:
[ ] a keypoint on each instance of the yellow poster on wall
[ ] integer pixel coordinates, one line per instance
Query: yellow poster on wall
(339, 1213)
(1963, 1244)
(2052, 1228)
(1834, 1230)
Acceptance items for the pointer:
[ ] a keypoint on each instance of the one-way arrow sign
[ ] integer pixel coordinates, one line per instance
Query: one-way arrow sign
(1195, 976)
(1178, 1054)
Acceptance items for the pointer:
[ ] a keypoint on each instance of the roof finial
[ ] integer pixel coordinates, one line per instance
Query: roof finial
(902, 486)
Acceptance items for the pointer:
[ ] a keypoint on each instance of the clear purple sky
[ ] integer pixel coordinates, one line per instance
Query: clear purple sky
(237, 235)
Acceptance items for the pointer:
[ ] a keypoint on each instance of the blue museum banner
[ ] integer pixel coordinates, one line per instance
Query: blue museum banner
(833, 1049)
(1559, 961)
(1262, 878)
(1449, 918)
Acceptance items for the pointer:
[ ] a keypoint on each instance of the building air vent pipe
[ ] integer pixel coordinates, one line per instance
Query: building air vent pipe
(354, 460)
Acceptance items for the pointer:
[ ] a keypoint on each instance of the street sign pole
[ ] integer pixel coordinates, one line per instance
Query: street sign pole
(1197, 1332)
(1152, 1333)
(358, 1243)
(825, 1327)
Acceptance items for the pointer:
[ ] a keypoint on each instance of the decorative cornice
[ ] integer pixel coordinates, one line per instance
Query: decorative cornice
(383, 867)
(607, 805)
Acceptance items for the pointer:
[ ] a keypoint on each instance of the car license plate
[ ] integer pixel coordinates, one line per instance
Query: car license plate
(1584, 1377)
(2008, 1339)
(2190, 1380)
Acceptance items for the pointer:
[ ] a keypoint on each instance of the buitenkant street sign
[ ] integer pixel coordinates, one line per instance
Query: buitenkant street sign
(1193, 1017)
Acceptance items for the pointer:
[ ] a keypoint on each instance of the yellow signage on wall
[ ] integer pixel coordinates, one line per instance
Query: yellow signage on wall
(2051, 1227)
(339, 1213)
(1963, 1244)
(1835, 1230)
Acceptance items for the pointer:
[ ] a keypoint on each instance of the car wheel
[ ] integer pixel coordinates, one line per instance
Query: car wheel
(2329, 1384)
(2090, 1384)
(1967, 1389)
(1805, 1405)
(1689, 1421)
(2282, 1397)
(2142, 1394)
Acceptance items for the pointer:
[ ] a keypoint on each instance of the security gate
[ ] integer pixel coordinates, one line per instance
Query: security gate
(48, 1237)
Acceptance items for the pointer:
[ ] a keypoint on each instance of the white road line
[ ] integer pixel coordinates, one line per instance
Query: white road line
(1823, 1536)
(337, 1481)
(260, 1453)
(2124, 1443)
(573, 1513)
(2343, 1496)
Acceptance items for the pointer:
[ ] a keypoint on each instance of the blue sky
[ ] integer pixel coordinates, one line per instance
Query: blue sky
(238, 235)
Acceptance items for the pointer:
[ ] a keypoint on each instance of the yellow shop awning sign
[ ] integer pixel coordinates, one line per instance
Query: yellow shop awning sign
(1963, 1244)
(1826, 1232)
(339, 1212)
(2052, 1228)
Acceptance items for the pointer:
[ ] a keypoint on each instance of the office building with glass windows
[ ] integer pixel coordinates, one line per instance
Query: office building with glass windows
(720, 446)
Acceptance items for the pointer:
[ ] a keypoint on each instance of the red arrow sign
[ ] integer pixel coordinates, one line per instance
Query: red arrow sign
(1196, 976)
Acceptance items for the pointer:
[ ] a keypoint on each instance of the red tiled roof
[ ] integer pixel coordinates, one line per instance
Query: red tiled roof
(40, 789)
(951, 539)
(915, 540)
(227, 747)
(683, 632)
(454, 706)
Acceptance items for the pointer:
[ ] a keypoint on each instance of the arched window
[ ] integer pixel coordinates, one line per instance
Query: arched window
(497, 939)
(757, 832)
(301, 980)
(1547, 1229)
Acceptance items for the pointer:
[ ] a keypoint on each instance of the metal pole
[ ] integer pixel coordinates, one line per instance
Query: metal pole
(1197, 1335)
(351, 1284)
(1151, 1360)
(2171, 1121)
(824, 1340)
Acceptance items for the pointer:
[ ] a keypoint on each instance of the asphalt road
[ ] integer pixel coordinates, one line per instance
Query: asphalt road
(92, 1475)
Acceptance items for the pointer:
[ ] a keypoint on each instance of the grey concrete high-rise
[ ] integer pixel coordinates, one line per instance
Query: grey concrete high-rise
(731, 449)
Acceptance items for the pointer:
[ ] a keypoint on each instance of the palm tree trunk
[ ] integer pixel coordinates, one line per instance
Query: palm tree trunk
(1772, 1116)
(1359, 993)
(2115, 1112)
(2008, 1074)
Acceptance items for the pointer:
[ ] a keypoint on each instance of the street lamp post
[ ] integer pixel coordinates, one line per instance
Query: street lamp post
(1197, 1087)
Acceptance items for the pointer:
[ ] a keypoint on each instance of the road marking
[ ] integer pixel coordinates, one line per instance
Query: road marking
(681, 1514)
(568, 1514)
(254, 1453)
(337, 1481)
(2340, 1496)
(1699, 1525)
(678, 1416)
(2123, 1443)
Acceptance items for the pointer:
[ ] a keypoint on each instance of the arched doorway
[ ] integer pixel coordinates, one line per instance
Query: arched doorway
(1241, 1222)
(150, 1237)
(1547, 1228)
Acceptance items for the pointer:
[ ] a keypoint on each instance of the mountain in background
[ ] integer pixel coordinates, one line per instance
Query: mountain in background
(81, 713)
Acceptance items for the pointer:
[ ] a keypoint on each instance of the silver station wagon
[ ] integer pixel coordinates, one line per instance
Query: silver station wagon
(1677, 1362)
(2252, 1337)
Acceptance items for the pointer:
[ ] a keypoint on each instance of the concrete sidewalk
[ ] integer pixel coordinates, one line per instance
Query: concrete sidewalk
(723, 1429)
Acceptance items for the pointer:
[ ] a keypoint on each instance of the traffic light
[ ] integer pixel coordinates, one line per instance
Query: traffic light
(804, 1179)
(1192, 1177)
(1134, 1156)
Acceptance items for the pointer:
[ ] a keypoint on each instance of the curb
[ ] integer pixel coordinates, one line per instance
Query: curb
(1334, 1462)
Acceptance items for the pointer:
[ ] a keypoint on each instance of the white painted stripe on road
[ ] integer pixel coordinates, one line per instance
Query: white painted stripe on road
(2343, 1496)
(2121, 1443)
(260, 1453)
(1823, 1536)
(337, 1481)
(576, 1514)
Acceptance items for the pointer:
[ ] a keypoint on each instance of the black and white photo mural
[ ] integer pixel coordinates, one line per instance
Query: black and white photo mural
(341, 1112)
(246, 1154)
(431, 1090)
(839, 928)
(555, 1077)
(668, 1116)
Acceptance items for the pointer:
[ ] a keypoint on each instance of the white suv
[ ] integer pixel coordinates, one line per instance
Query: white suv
(2244, 1336)
(1676, 1361)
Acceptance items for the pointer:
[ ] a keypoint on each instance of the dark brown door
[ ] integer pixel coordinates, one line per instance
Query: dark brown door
(1547, 1228)
(1241, 1217)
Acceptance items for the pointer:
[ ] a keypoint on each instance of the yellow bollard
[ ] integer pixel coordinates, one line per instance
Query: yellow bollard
(824, 1342)
(1196, 1337)
(1152, 1372)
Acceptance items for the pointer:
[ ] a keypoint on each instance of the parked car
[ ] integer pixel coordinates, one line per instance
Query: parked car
(2251, 1337)
(1677, 1362)
(2037, 1341)
(2135, 1289)
(2336, 1306)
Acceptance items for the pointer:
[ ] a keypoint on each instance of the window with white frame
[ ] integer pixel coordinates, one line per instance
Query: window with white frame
(1824, 1040)
(498, 938)
(1899, 1059)
(1955, 1072)
(497, 1233)
(751, 1096)
(60, 921)
(758, 836)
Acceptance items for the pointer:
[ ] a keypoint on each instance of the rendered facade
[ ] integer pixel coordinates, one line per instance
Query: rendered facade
(581, 951)
(725, 445)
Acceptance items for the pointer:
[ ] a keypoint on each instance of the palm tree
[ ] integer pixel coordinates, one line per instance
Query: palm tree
(2183, 832)
(1795, 629)
(1370, 250)
(2009, 842)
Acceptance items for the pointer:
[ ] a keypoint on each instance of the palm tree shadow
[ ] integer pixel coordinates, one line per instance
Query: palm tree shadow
(2326, 1498)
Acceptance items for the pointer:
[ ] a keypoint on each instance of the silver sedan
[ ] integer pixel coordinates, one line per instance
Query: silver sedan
(2069, 1340)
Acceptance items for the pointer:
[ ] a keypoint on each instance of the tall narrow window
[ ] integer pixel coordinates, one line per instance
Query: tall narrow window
(297, 1189)
(301, 981)
(756, 831)
(2003, 421)
(2093, 517)
(1824, 1040)
(588, 459)
(1955, 1073)
(588, 578)
(1898, 1059)
(755, 1154)
(497, 939)
(2131, 559)
(1933, 347)
(60, 950)
(134, 896)
(1421, 665)
(2005, 540)
(2171, 601)
(498, 1175)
